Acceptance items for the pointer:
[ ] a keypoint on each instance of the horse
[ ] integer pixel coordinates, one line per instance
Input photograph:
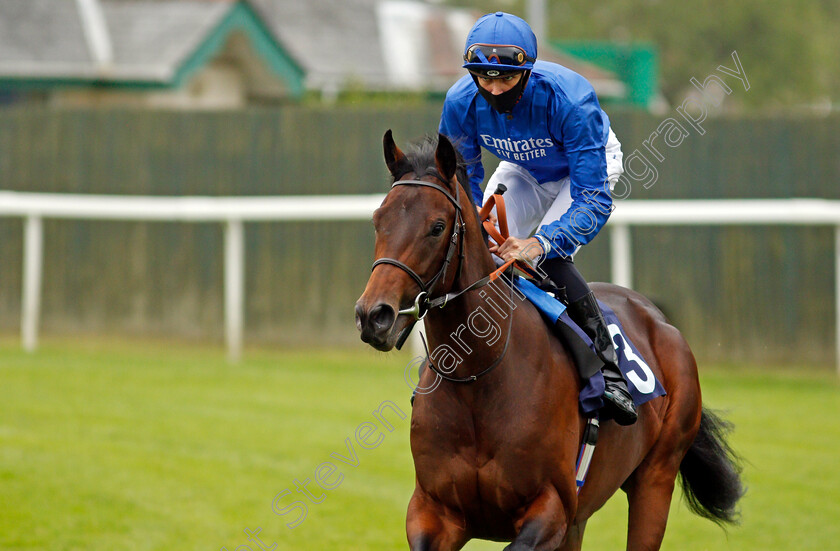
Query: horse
(495, 441)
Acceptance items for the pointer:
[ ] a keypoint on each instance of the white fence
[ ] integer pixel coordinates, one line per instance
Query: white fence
(235, 211)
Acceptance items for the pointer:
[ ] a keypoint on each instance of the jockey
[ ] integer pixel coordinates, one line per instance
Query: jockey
(559, 161)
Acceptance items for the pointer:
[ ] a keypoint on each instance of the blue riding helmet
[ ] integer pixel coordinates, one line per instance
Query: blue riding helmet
(500, 43)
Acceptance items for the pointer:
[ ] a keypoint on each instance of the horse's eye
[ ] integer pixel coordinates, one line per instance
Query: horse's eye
(437, 229)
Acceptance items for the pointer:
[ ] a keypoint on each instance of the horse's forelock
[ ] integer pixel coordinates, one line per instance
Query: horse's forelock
(421, 157)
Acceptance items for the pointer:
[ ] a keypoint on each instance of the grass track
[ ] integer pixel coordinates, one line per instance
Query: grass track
(152, 446)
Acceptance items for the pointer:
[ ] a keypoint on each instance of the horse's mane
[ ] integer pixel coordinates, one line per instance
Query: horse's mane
(421, 157)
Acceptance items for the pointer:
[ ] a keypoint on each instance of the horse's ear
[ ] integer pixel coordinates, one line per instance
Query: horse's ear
(394, 158)
(446, 159)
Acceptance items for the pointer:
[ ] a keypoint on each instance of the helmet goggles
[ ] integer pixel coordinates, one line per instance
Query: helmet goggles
(496, 60)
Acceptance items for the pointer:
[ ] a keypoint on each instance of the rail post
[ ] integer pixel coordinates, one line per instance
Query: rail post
(837, 298)
(33, 260)
(621, 258)
(234, 287)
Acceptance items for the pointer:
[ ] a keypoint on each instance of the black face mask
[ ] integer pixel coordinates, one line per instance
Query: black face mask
(506, 101)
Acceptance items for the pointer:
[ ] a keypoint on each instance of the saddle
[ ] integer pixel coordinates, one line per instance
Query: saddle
(641, 381)
(552, 302)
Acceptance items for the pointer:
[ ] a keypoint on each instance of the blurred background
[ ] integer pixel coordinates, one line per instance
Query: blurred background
(279, 97)
(288, 97)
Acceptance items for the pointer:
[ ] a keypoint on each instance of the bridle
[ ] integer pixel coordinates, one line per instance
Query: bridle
(422, 303)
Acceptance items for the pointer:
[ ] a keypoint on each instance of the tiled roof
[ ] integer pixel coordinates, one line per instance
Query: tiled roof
(152, 38)
(370, 44)
(36, 34)
(47, 39)
(331, 39)
(387, 44)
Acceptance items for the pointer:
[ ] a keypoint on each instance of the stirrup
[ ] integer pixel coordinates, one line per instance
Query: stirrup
(618, 404)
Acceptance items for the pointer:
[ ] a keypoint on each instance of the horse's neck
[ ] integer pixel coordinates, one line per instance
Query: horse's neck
(478, 261)
(466, 326)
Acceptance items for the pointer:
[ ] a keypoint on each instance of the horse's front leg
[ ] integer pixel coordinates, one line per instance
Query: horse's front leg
(431, 527)
(543, 526)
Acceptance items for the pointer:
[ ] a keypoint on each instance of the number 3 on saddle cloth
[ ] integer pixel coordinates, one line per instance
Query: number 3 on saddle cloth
(641, 381)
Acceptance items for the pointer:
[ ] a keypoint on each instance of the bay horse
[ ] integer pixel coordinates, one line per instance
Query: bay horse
(495, 444)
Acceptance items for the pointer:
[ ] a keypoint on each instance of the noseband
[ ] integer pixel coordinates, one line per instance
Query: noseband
(422, 303)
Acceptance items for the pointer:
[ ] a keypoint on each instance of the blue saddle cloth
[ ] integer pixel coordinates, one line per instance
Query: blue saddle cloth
(641, 381)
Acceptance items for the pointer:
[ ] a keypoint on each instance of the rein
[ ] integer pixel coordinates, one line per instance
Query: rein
(422, 303)
(486, 370)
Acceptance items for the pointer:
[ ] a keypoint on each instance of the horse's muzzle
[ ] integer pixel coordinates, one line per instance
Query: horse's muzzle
(376, 325)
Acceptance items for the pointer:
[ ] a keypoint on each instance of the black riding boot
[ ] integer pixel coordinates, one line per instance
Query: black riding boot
(618, 402)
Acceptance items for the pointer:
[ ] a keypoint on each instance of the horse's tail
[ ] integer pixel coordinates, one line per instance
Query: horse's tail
(710, 472)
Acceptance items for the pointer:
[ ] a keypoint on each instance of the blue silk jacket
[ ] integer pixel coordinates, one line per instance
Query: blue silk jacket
(557, 129)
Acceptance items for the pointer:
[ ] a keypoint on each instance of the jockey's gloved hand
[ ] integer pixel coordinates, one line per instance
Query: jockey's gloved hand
(513, 248)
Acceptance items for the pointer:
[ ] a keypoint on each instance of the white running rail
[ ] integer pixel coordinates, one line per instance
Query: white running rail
(234, 211)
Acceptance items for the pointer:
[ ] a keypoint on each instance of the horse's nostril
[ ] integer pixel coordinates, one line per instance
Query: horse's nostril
(375, 323)
(360, 317)
(382, 317)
